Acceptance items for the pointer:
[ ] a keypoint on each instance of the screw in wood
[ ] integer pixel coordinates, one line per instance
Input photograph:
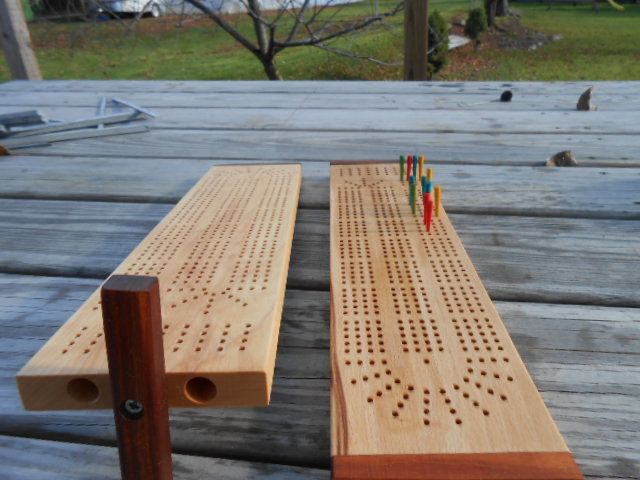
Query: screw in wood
(132, 409)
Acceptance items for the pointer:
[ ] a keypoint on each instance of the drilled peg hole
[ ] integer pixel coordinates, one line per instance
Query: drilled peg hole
(200, 390)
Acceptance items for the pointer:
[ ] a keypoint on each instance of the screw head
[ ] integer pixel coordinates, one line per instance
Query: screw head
(132, 409)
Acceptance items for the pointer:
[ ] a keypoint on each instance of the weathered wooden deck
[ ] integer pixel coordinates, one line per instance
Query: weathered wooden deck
(558, 249)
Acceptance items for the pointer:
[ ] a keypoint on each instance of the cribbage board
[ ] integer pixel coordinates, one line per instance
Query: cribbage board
(222, 258)
(426, 382)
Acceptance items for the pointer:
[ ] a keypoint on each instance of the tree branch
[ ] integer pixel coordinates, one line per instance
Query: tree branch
(315, 40)
(355, 56)
(297, 21)
(226, 26)
(253, 9)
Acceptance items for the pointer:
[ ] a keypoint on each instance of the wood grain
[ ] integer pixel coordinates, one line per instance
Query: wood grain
(222, 256)
(416, 40)
(323, 87)
(135, 354)
(531, 149)
(466, 466)
(557, 192)
(421, 361)
(593, 261)
(410, 100)
(34, 459)
(444, 122)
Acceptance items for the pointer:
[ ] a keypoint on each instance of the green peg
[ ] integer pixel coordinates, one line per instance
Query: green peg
(402, 161)
(412, 194)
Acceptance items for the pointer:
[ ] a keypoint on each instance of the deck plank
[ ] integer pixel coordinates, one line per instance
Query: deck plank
(32, 459)
(461, 148)
(530, 191)
(322, 87)
(470, 101)
(560, 260)
(554, 340)
(570, 122)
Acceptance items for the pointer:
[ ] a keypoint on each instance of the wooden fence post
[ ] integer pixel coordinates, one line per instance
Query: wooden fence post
(416, 39)
(133, 336)
(16, 42)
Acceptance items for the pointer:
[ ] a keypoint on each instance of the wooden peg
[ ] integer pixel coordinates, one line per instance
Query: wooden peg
(402, 161)
(133, 337)
(438, 195)
(430, 174)
(421, 167)
(428, 211)
(412, 194)
(424, 207)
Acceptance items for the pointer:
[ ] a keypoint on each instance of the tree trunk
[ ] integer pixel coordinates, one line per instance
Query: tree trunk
(502, 9)
(490, 10)
(270, 68)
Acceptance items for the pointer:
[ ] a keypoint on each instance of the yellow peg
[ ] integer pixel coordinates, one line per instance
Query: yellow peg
(421, 166)
(438, 194)
(430, 174)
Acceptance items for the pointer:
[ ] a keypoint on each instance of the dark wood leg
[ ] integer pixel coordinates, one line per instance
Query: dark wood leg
(133, 335)
(416, 39)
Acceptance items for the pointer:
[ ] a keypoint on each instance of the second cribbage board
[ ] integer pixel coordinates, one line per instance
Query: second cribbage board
(426, 382)
(221, 256)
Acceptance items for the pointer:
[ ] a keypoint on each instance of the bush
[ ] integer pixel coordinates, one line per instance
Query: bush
(28, 10)
(476, 23)
(438, 43)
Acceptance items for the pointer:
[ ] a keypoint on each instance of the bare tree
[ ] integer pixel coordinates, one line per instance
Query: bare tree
(292, 24)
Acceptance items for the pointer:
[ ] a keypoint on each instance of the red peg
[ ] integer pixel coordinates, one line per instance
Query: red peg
(428, 210)
(409, 167)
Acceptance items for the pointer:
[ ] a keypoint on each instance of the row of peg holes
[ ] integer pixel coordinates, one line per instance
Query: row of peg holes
(167, 240)
(444, 249)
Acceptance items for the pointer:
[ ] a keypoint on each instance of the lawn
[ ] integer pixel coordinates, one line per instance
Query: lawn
(594, 46)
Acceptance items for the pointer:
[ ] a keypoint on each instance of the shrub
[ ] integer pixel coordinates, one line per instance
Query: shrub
(476, 23)
(28, 10)
(438, 43)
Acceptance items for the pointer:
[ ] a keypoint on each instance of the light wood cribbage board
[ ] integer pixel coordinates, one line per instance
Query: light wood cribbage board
(426, 382)
(222, 257)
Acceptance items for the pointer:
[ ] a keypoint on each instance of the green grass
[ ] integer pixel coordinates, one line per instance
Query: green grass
(595, 46)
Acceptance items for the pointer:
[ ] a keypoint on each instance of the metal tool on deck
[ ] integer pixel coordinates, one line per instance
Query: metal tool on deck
(29, 129)
(28, 117)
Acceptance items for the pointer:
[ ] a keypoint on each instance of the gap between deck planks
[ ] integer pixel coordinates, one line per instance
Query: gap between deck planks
(556, 260)
(552, 338)
(526, 191)
(458, 148)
